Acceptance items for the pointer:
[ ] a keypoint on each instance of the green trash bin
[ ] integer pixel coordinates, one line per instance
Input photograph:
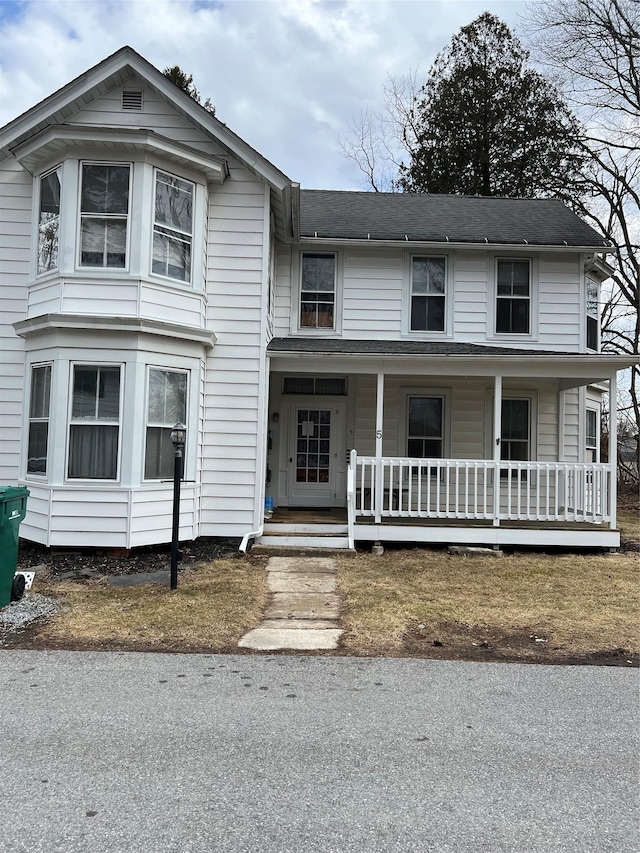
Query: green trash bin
(13, 508)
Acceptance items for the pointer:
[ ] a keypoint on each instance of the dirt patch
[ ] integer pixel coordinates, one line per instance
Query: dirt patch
(478, 643)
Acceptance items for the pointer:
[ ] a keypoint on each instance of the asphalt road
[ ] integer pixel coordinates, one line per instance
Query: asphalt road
(137, 753)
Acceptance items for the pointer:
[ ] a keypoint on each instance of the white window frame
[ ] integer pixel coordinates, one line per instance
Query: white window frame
(178, 233)
(408, 295)
(594, 409)
(94, 422)
(590, 315)
(89, 268)
(403, 416)
(148, 424)
(55, 267)
(528, 299)
(31, 419)
(492, 299)
(326, 331)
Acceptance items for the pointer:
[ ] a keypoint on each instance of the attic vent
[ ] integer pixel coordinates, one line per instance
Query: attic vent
(132, 101)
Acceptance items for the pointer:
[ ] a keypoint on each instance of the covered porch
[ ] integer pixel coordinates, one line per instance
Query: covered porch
(480, 479)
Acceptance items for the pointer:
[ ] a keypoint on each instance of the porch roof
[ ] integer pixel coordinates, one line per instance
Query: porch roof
(444, 357)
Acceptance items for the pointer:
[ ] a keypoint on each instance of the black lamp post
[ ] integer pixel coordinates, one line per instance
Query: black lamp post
(178, 437)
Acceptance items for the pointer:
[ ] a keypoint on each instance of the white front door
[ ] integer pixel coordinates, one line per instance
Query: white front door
(317, 461)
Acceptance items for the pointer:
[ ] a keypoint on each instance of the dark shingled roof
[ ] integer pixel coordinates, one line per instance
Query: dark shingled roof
(441, 218)
(342, 346)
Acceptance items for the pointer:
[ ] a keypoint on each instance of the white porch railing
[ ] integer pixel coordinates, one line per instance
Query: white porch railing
(392, 487)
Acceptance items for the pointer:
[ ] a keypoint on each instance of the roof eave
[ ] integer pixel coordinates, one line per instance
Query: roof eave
(454, 244)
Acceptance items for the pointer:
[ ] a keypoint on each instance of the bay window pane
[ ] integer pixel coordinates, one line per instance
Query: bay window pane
(49, 222)
(37, 447)
(104, 210)
(105, 189)
(166, 406)
(93, 435)
(173, 227)
(93, 452)
(40, 392)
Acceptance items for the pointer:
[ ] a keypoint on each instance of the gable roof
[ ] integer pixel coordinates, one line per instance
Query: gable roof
(409, 217)
(57, 111)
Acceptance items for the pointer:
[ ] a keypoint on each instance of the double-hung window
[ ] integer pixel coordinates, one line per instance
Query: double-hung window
(318, 290)
(95, 423)
(428, 285)
(513, 297)
(166, 406)
(39, 403)
(593, 318)
(172, 227)
(515, 432)
(425, 434)
(49, 221)
(592, 453)
(104, 213)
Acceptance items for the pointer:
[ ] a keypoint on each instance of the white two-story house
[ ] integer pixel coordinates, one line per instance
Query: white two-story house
(427, 367)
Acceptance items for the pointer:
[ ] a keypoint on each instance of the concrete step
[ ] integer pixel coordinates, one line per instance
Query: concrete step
(305, 529)
(301, 541)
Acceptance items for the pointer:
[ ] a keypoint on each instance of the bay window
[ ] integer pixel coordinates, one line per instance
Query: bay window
(104, 213)
(166, 406)
(49, 221)
(172, 227)
(39, 402)
(94, 430)
(428, 282)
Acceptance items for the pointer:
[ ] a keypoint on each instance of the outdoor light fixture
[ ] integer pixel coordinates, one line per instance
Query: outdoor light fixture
(178, 438)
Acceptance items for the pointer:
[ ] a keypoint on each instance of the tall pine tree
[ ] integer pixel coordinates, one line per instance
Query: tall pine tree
(488, 124)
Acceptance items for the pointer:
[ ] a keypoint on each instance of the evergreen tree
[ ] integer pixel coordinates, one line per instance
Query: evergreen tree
(485, 123)
(184, 81)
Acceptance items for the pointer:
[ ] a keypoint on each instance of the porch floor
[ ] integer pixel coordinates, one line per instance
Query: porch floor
(338, 515)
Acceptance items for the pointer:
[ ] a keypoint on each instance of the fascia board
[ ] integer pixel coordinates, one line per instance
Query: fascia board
(448, 245)
(586, 368)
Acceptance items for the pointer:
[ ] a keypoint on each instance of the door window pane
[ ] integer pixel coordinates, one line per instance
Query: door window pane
(515, 433)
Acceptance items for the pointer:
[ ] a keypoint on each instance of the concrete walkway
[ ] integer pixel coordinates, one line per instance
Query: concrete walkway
(303, 610)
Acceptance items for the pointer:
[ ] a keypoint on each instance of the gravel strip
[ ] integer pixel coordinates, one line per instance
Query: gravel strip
(19, 613)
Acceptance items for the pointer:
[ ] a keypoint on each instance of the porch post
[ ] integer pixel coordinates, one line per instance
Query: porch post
(497, 431)
(379, 473)
(613, 448)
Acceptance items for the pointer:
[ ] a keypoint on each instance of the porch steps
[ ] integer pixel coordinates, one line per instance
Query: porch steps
(304, 539)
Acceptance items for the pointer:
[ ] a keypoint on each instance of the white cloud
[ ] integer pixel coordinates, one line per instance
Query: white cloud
(286, 75)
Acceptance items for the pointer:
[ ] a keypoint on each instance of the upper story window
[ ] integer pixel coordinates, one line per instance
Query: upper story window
(95, 423)
(318, 291)
(172, 227)
(49, 221)
(104, 212)
(593, 316)
(513, 297)
(39, 403)
(428, 285)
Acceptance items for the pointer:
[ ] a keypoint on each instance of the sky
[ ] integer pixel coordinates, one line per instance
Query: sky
(285, 75)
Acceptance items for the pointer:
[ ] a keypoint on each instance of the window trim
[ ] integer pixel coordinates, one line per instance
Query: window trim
(592, 316)
(447, 296)
(326, 331)
(39, 475)
(39, 179)
(186, 372)
(70, 422)
(84, 268)
(188, 282)
(492, 298)
(594, 408)
(403, 416)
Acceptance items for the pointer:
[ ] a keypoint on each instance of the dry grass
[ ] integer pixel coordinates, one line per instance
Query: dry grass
(578, 603)
(629, 523)
(211, 609)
